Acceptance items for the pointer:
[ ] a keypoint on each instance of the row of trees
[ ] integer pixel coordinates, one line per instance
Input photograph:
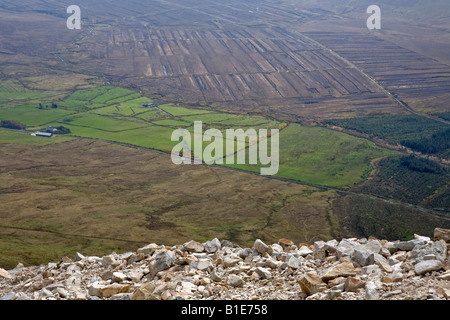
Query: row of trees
(53, 106)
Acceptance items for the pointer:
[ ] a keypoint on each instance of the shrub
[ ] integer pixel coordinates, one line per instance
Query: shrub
(12, 125)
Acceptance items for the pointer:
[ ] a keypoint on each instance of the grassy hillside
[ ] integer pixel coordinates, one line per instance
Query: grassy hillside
(15, 137)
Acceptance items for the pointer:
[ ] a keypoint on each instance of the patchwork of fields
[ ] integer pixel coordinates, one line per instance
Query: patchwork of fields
(310, 154)
(408, 75)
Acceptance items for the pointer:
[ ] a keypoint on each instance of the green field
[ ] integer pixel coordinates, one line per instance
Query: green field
(16, 137)
(13, 93)
(309, 154)
(325, 157)
(32, 116)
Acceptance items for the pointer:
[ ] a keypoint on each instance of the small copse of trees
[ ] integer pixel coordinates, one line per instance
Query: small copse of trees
(12, 125)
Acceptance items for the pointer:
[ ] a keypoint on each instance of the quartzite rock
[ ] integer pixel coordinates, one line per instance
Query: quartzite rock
(344, 269)
(163, 261)
(442, 234)
(260, 246)
(193, 246)
(235, 281)
(223, 270)
(311, 283)
(427, 266)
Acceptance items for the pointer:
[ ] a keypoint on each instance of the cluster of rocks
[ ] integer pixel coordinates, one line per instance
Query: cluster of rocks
(349, 269)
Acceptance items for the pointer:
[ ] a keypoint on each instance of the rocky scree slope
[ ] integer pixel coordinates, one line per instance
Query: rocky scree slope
(349, 269)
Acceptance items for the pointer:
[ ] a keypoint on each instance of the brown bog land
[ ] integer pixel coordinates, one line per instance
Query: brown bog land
(85, 195)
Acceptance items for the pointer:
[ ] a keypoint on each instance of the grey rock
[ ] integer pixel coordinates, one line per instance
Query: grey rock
(118, 277)
(373, 246)
(107, 261)
(78, 257)
(427, 266)
(212, 246)
(244, 253)
(63, 293)
(364, 254)
(331, 245)
(260, 246)
(235, 281)
(272, 263)
(397, 276)
(226, 243)
(135, 274)
(408, 245)
(373, 268)
(231, 262)
(163, 261)
(392, 247)
(121, 296)
(371, 291)
(392, 261)
(44, 293)
(9, 296)
(318, 245)
(294, 261)
(442, 234)
(193, 246)
(148, 249)
(344, 248)
(385, 252)
(362, 257)
(438, 249)
(216, 276)
(22, 296)
(277, 248)
(263, 273)
(378, 258)
(204, 265)
(304, 251)
(126, 255)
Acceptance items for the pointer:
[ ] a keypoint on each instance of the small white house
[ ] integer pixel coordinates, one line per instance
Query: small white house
(44, 134)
